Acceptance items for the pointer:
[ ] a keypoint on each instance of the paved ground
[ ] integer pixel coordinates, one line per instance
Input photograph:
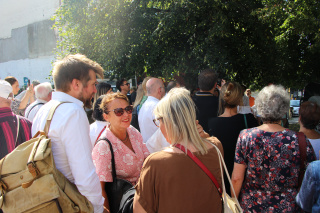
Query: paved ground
(294, 120)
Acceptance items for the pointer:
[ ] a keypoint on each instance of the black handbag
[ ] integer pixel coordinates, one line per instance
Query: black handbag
(117, 188)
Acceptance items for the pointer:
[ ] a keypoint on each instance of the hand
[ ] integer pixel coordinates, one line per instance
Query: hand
(223, 82)
(31, 90)
(201, 132)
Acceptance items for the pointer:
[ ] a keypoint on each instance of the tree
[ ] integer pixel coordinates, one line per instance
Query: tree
(253, 42)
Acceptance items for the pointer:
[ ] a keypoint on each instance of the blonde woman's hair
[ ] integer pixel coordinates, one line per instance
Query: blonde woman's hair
(141, 91)
(233, 95)
(178, 113)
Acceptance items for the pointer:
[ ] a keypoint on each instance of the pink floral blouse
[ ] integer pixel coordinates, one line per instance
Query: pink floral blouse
(128, 163)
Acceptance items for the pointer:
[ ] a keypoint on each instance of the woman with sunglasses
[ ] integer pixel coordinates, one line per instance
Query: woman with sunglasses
(170, 181)
(127, 143)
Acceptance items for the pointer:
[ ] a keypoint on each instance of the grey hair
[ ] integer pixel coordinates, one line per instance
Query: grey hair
(152, 85)
(272, 102)
(42, 90)
(178, 113)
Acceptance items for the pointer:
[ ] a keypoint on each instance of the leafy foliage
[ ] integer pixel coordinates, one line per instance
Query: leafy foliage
(254, 42)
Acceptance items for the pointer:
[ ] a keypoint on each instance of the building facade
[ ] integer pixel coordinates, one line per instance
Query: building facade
(27, 40)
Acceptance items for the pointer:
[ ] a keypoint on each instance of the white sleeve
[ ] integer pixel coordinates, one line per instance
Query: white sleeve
(78, 149)
(157, 142)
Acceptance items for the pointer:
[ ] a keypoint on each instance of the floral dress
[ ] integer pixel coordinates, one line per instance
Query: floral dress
(273, 166)
(128, 163)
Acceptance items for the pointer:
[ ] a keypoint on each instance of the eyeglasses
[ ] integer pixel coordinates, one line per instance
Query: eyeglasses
(120, 111)
(10, 96)
(157, 121)
(126, 84)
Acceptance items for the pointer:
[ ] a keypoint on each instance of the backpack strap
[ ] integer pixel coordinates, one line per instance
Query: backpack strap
(32, 108)
(50, 116)
(303, 156)
(31, 164)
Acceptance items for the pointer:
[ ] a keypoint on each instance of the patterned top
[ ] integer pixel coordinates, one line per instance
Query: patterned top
(128, 163)
(273, 166)
(8, 131)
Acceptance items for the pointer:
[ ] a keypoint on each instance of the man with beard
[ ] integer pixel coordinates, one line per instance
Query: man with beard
(75, 82)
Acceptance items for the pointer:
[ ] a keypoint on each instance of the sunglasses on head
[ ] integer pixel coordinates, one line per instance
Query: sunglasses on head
(120, 111)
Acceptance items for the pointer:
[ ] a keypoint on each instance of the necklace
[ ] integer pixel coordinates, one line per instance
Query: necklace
(124, 140)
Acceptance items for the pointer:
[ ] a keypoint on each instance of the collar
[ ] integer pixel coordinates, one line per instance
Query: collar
(204, 94)
(64, 97)
(151, 98)
(40, 101)
(6, 110)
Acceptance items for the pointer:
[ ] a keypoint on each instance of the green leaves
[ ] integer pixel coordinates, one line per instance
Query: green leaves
(254, 42)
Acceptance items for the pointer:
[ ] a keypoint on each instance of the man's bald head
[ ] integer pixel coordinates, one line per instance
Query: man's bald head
(155, 88)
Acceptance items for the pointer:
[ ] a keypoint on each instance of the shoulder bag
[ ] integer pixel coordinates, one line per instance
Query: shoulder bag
(118, 187)
(303, 156)
(230, 205)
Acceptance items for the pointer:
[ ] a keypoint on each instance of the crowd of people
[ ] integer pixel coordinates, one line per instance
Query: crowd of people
(144, 132)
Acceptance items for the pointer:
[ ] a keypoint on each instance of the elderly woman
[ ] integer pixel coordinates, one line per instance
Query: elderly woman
(129, 150)
(309, 118)
(267, 160)
(228, 125)
(169, 180)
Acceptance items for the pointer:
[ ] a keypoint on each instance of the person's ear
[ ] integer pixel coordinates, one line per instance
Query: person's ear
(75, 84)
(105, 117)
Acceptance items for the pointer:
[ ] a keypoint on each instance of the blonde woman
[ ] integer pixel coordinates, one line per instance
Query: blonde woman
(169, 180)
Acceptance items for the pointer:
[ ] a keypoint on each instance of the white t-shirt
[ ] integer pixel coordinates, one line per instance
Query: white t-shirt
(33, 109)
(71, 146)
(95, 129)
(145, 118)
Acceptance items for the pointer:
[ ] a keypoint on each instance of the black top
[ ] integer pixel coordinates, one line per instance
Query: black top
(207, 107)
(227, 130)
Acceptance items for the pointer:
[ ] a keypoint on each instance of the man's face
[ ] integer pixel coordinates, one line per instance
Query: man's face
(88, 92)
(163, 89)
(125, 87)
(248, 93)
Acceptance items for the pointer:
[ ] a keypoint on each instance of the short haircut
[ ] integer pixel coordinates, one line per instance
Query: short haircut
(178, 113)
(152, 85)
(11, 80)
(97, 114)
(207, 79)
(102, 89)
(119, 83)
(74, 67)
(272, 103)
(232, 96)
(309, 114)
(171, 85)
(109, 98)
(42, 90)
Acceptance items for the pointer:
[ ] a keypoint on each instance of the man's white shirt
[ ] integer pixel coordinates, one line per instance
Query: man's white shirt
(33, 108)
(146, 116)
(71, 146)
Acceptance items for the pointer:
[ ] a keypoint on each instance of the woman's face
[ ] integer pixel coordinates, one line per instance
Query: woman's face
(122, 121)
(15, 87)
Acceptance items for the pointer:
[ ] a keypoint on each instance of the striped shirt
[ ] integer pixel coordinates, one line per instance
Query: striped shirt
(8, 131)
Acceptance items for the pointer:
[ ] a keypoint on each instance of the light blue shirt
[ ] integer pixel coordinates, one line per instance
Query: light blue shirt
(308, 197)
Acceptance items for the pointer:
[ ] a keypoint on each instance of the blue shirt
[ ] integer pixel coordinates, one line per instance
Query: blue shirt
(308, 197)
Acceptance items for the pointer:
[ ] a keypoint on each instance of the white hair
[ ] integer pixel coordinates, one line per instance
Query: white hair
(42, 90)
(272, 102)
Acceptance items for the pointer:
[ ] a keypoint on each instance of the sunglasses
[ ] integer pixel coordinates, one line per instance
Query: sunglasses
(126, 84)
(120, 111)
(157, 121)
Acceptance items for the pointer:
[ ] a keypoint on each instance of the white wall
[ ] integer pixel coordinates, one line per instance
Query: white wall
(34, 69)
(19, 13)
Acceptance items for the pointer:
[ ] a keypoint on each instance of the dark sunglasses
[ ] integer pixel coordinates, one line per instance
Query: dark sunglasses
(125, 84)
(120, 111)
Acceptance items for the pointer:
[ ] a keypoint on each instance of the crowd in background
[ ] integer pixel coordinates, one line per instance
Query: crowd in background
(145, 128)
